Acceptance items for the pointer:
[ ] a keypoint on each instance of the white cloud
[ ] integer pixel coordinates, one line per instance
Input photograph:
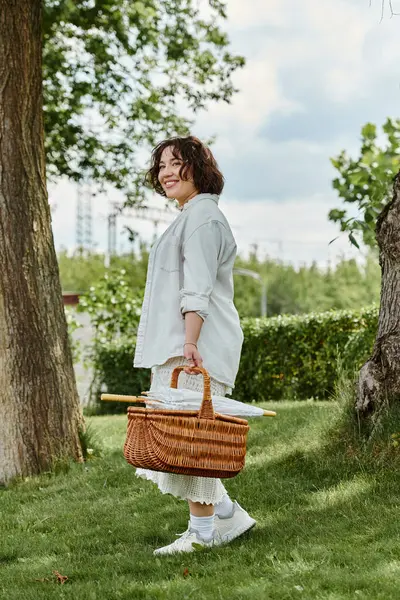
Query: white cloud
(296, 231)
(259, 96)
(243, 15)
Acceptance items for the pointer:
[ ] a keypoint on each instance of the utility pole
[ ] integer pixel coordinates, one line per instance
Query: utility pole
(263, 283)
(112, 238)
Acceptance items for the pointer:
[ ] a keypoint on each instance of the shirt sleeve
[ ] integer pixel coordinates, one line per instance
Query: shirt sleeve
(201, 254)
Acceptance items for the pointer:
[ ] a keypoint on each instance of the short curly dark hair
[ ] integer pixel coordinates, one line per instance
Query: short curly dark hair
(198, 162)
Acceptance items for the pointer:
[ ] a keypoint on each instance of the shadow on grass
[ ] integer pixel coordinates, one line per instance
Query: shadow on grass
(325, 513)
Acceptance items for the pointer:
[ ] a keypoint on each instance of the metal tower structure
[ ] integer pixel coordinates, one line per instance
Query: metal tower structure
(153, 215)
(84, 222)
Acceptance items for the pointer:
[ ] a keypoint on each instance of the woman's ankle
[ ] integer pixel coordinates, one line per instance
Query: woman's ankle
(225, 507)
(197, 509)
(204, 526)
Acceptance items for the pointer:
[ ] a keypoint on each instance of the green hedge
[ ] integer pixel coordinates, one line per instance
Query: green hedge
(283, 357)
(114, 373)
(296, 356)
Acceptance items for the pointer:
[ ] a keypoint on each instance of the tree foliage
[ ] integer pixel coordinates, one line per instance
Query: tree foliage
(120, 74)
(114, 307)
(81, 271)
(366, 181)
(348, 285)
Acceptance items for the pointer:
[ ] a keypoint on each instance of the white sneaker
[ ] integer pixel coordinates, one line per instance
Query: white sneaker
(234, 525)
(186, 540)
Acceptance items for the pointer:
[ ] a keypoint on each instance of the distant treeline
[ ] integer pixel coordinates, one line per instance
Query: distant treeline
(348, 285)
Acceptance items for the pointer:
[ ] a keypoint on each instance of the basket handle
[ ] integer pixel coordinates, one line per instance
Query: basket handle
(206, 409)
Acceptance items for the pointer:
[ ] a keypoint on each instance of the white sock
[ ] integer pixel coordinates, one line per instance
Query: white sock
(225, 507)
(203, 525)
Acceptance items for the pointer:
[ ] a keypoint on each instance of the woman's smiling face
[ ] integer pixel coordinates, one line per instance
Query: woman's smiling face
(169, 177)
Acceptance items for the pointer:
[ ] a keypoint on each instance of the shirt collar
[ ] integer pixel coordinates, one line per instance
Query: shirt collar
(198, 198)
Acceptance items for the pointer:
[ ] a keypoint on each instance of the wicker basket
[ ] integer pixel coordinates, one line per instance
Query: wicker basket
(202, 443)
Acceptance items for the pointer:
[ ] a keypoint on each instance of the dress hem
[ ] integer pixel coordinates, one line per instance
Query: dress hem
(148, 476)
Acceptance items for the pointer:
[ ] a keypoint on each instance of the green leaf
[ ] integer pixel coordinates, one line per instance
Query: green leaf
(353, 240)
(369, 216)
(369, 131)
(357, 177)
(336, 162)
(198, 547)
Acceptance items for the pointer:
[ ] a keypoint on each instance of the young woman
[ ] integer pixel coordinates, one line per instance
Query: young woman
(188, 317)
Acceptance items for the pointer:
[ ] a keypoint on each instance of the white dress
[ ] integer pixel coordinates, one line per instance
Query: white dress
(206, 490)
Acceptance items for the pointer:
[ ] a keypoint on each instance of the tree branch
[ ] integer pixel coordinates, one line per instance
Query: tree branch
(392, 13)
(383, 7)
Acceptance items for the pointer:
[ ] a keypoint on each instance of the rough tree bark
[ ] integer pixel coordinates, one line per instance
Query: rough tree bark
(379, 379)
(39, 406)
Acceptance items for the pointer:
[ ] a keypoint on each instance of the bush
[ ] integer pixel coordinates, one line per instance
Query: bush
(295, 356)
(359, 345)
(113, 307)
(283, 357)
(114, 373)
(114, 311)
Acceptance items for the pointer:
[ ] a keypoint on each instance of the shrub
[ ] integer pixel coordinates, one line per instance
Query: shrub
(114, 311)
(295, 356)
(283, 357)
(113, 307)
(359, 345)
(114, 373)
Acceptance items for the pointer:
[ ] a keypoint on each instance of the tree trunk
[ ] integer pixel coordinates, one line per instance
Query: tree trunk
(39, 405)
(379, 379)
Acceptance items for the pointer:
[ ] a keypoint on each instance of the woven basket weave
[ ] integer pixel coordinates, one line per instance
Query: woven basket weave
(203, 443)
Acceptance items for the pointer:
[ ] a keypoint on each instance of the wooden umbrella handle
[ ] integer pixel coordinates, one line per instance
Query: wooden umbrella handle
(122, 398)
(269, 413)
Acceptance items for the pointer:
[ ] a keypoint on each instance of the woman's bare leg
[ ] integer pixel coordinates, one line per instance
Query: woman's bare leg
(197, 509)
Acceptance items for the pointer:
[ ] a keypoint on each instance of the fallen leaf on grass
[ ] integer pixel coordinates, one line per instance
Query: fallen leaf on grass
(198, 547)
(186, 572)
(60, 578)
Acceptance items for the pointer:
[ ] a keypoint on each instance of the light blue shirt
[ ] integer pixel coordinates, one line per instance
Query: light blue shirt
(191, 269)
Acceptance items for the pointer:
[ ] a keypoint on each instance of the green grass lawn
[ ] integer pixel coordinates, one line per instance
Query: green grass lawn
(328, 524)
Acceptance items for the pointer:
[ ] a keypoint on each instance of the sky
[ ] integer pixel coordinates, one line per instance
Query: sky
(315, 72)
